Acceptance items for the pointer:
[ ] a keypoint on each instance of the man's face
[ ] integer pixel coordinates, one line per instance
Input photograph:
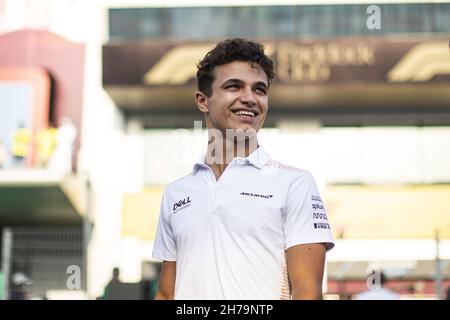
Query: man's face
(239, 97)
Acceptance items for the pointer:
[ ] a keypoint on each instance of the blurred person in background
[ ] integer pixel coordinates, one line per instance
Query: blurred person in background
(21, 145)
(21, 287)
(114, 282)
(46, 144)
(241, 225)
(377, 290)
(418, 290)
(61, 158)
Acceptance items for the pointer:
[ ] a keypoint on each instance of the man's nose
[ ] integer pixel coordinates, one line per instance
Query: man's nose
(248, 97)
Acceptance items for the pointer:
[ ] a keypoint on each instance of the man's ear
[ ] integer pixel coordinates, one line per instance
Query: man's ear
(202, 102)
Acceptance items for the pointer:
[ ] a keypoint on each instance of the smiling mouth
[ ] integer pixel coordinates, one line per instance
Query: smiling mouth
(245, 113)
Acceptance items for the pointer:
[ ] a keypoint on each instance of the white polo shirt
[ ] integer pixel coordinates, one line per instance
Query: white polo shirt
(229, 236)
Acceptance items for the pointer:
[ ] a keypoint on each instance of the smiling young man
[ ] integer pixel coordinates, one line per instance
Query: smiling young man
(241, 225)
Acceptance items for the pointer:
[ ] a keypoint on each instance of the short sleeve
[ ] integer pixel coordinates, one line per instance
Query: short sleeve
(164, 247)
(306, 219)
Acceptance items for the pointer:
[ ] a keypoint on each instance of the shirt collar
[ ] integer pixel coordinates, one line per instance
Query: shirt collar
(257, 158)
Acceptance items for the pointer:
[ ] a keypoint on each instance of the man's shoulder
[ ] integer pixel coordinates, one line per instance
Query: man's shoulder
(180, 182)
(285, 170)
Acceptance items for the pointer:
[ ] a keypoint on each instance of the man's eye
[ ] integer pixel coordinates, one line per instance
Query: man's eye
(261, 90)
(232, 86)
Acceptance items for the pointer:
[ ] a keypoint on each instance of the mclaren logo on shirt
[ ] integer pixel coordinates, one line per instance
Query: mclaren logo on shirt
(182, 204)
(249, 194)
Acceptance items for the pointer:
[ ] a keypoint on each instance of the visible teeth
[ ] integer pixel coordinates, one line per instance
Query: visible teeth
(245, 113)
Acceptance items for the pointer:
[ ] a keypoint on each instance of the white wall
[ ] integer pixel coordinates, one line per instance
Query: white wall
(371, 155)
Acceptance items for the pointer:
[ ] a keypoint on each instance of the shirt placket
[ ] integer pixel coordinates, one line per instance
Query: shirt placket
(216, 188)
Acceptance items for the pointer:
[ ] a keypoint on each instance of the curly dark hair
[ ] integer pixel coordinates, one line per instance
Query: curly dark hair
(236, 49)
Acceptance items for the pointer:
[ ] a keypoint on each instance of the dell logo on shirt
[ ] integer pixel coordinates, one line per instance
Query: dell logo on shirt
(181, 203)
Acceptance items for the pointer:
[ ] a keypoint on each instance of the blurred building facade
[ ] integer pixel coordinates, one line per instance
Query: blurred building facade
(363, 103)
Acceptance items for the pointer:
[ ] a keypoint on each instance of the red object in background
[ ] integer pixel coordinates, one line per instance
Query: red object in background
(39, 80)
(64, 62)
(351, 288)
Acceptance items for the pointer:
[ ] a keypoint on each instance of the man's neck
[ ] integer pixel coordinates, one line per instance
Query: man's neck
(218, 157)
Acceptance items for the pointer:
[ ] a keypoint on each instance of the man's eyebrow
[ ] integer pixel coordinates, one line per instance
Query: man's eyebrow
(232, 81)
(240, 82)
(261, 83)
